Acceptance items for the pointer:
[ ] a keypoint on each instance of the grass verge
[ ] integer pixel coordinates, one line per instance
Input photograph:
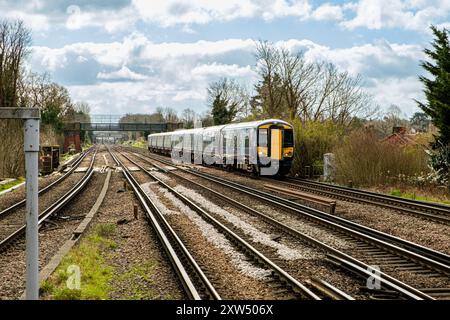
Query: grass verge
(12, 183)
(414, 196)
(136, 143)
(95, 273)
(101, 278)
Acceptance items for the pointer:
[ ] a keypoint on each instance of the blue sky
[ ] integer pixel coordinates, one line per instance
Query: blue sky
(136, 55)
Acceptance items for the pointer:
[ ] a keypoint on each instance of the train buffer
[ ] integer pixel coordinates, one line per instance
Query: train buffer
(319, 202)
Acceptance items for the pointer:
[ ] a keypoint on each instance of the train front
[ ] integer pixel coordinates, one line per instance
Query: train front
(275, 147)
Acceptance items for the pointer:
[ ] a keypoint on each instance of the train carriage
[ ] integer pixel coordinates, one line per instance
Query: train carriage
(251, 146)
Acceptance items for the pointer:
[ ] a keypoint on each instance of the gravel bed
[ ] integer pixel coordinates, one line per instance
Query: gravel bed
(330, 238)
(427, 233)
(409, 227)
(206, 244)
(51, 237)
(293, 220)
(254, 233)
(299, 259)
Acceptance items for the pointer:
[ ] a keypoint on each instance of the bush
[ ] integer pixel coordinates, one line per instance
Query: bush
(367, 161)
(312, 141)
(440, 161)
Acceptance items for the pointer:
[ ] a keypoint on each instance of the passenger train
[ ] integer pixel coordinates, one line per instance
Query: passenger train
(264, 147)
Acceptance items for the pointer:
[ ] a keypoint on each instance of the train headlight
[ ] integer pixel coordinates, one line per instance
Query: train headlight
(288, 152)
(262, 151)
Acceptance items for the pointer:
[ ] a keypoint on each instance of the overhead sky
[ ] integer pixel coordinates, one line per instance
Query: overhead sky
(135, 55)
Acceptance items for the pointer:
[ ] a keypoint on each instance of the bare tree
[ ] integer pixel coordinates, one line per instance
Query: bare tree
(346, 98)
(232, 97)
(269, 68)
(188, 117)
(292, 87)
(298, 79)
(14, 42)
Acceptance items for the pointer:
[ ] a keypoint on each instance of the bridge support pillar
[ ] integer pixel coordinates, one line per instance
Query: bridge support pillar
(72, 140)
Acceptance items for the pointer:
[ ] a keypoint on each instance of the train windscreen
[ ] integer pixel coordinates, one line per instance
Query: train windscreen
(288, 138)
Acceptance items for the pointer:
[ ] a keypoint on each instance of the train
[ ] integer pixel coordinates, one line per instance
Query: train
(263, 147)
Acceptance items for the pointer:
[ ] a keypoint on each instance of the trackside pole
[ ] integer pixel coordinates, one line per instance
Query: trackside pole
(31, 148)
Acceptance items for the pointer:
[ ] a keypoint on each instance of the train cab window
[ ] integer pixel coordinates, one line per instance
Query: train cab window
(262, 137)
(288, 138)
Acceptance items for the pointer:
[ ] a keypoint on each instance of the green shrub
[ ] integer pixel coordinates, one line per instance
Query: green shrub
(312, 141)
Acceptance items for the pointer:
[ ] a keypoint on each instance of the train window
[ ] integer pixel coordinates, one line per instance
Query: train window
(262, 137)
(288, 138)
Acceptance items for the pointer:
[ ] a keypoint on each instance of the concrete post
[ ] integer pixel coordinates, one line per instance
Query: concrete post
(31, 148)
(328, 167)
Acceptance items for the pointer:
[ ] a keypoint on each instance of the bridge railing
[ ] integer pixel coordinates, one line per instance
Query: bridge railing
(152, 127)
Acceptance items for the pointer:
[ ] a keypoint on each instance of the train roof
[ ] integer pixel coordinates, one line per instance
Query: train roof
(231, 126)
(255, 124)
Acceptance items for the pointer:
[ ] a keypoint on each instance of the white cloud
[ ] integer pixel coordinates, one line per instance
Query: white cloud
(398, 91)
(188, 95)
(222, 70)
(36, 22)
(410, 14)
(122, 15)
(328, 12)
(143, 74)
(123, 74)
(110, 20)
(175, 12)
(198, 48)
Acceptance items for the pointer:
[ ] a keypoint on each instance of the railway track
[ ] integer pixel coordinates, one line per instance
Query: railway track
(374, 246)
(321, 289)
(9, 234)
(399, 287)
(5, 212)
(182, 261)
(431, 211)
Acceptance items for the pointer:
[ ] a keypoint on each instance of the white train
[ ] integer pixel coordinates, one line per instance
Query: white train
(255, 146)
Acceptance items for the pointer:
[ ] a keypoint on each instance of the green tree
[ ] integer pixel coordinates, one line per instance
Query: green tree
(437, 88)
(437, 105)
(266, 92)
(420, 121)
(219, 111)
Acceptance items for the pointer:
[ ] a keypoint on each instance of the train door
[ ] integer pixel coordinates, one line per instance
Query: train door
(276, 136)
(270, 144)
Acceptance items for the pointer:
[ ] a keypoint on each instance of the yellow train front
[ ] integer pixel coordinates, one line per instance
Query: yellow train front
(264, 147)
(275, 142)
